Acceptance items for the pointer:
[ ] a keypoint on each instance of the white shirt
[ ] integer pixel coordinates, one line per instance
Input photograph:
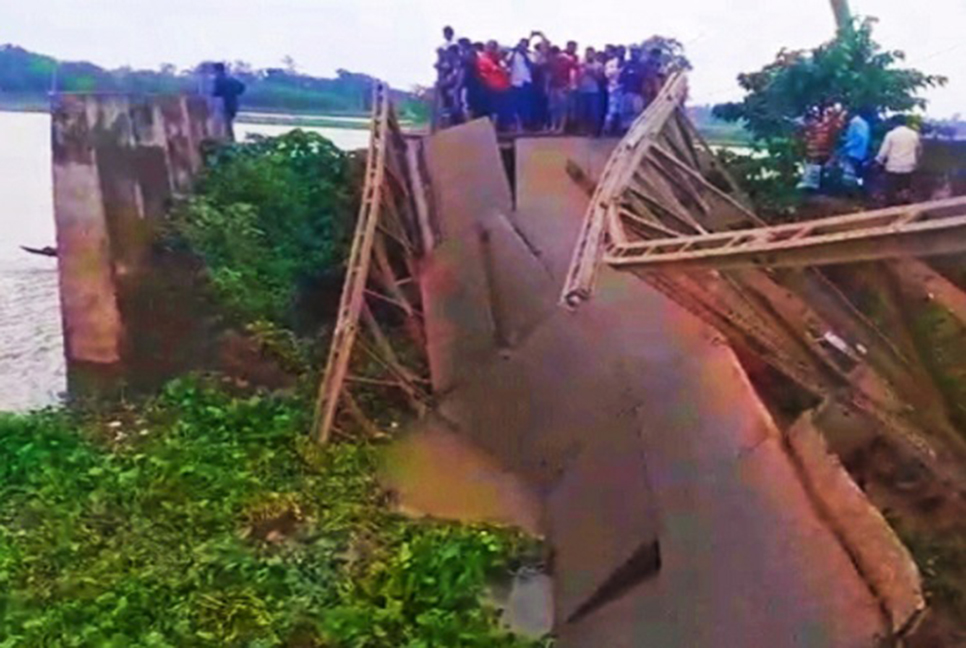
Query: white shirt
(900, 150)
(612, 71)
(446, 45)
(519, 70)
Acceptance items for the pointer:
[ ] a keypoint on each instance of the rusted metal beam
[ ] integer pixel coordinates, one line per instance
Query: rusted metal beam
(923, 229)
(620, 165)
(418, 189)
(917, 277)
(387, 210)
(743, 214)
(357, 272)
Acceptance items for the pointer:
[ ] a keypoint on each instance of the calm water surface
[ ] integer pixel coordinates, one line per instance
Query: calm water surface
(32, 371)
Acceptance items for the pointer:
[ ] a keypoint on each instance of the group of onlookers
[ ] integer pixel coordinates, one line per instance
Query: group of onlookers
(840, 141)
(539, 86)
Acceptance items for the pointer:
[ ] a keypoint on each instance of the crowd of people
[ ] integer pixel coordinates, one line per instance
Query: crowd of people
(839, 145)
(539, 86)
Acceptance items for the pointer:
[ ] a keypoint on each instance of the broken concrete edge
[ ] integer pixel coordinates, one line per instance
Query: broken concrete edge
(879, 556)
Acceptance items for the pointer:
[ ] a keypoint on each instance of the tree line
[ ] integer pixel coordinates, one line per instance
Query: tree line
(25, 74)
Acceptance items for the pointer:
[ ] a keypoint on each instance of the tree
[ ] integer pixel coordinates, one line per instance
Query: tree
(242, 68)
(852, 71)
(672, 53)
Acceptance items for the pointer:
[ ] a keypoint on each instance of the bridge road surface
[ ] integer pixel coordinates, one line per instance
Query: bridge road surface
(630, 420)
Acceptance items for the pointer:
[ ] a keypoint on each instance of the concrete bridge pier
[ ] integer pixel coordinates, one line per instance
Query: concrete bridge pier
(117, 162)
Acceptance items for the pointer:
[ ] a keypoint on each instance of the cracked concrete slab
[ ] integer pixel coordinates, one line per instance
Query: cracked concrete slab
(632, 423)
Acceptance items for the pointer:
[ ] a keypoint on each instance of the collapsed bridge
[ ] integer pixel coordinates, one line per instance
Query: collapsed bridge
(678, 512)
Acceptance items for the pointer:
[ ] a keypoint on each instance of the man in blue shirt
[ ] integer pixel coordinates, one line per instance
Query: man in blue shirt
(854, 152)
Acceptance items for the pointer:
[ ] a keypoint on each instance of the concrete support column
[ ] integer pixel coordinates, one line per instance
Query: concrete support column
(117, 162)
(92, 323)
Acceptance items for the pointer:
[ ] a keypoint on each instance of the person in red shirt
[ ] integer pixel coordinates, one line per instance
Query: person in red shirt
(821, 132)
(496, 82)
(563, 72)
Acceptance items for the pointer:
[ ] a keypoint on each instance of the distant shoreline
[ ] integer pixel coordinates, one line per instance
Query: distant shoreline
(258, 115)
(38, 102)
(346, 122)
(23, 103)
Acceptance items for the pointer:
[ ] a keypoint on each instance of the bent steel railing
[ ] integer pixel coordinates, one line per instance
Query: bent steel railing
(391, 231)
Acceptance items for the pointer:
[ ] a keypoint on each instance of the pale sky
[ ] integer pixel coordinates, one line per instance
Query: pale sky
(395, 40)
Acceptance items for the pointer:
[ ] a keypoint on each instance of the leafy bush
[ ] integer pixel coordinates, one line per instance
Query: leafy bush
(269, 217)
(211, 520)
(852, 70)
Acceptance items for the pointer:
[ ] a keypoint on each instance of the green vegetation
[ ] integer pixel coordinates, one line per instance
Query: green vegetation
(940, 553)
(26, 78)
(941, 341)
(852, 71)
(203, 519)
(270, 217)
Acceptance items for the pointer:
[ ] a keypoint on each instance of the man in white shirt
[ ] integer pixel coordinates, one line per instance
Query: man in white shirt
(900, 154)
(521, 84)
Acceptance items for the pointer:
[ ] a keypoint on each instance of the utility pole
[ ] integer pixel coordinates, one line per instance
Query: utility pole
(843, 17)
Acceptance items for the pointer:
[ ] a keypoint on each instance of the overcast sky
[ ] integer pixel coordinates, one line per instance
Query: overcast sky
(395, 39)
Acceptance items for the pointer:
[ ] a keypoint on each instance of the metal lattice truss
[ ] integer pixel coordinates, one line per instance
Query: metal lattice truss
(391, 232)
(665, 210)
(911, 230)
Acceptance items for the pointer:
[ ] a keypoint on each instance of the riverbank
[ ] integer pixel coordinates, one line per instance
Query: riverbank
(296, 120)
(206, 516)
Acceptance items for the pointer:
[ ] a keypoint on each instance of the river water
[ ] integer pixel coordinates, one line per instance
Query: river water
(32, 368)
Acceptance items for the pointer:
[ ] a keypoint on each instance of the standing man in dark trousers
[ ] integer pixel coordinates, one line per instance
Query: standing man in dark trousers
(521, 85)
(632, 88)
(900, 154)
(228, 89)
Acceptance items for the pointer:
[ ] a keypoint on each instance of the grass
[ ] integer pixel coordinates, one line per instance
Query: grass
(941, 340)
(201, 518)
(941, 557)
